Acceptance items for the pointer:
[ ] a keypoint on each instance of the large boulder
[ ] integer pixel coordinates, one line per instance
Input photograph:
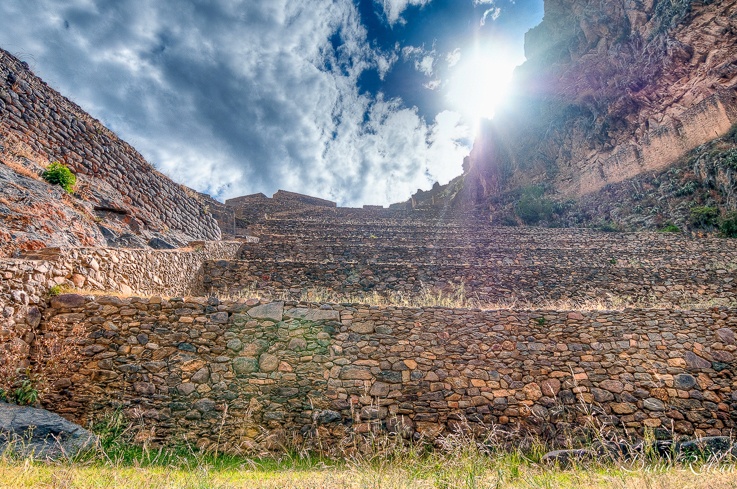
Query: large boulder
(37, 433)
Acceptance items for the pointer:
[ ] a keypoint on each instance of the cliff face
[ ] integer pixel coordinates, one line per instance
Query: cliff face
(611, 90)
(120, 200)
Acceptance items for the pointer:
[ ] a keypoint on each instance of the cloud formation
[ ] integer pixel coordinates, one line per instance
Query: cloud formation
(393, 9)
(237, 97)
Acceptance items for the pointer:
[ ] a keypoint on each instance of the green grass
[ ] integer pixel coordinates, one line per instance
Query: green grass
(428, 472)
(459, 464)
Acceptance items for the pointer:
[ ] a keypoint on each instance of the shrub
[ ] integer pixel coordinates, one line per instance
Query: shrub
(58, 174)
(687, 189)
(533, 207)
(732, 134)
(704, 216)
(728, 225)
(609, 227)
(669, 227)
(729, 158)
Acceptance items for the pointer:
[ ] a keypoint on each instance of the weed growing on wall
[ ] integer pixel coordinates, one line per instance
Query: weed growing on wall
(58, 174)
(669, 227)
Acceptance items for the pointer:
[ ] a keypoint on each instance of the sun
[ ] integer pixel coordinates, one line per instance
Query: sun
(479, 84)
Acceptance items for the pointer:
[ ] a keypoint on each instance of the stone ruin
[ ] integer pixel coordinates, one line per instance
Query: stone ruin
(560, 328)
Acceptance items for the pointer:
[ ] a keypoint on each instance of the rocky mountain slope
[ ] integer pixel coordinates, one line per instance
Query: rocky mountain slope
(611, 92)
(119, 199)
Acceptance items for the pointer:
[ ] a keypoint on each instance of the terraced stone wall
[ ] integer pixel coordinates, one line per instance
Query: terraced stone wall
(248, 374)
(25, 283)
(54, 126)
(490, 284)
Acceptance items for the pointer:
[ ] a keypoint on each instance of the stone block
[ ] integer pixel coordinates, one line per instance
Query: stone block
(366, 327)
(312, 314)
(268, 363)
(684, 381)
(623, 408)
(355, 373)
(68, 301)
(614, 386)
(273, 311)
(696, 362)
(245, 365)
(726, 336)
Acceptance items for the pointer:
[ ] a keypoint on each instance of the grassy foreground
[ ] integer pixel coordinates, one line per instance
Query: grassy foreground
(29, 476)
(412, 470)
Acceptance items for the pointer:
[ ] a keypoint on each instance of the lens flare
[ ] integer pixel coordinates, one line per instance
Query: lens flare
(479, 84)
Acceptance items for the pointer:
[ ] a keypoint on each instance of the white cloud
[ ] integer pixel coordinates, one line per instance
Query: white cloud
(423, 60)
(393, 8)
(453, 57)
(240, 96)
(433, 84)
(385, 62)
(425, 65)
(492, 13)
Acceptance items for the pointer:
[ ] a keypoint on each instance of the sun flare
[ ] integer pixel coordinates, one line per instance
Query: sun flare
(480, 84)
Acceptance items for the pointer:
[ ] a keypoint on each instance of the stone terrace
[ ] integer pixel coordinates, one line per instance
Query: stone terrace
(358, 251)
(256, 372)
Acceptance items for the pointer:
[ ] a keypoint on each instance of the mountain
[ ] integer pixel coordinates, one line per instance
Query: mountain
(612, 94)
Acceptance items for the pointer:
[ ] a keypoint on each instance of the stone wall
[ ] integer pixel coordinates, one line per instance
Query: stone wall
(536, 284)
(122, 181)
(25, 284)
(243, 375)
(378, 250)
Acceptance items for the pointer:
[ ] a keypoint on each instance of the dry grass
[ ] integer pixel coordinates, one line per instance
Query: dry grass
(21, 158)
(456, 463)
(456, 298)
(383, 477)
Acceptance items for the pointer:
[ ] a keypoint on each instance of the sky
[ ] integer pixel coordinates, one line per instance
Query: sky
(356, 101)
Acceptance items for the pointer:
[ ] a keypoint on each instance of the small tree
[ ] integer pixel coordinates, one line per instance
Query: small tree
(58, 174)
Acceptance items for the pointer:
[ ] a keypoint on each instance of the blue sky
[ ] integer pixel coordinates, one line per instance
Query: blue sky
(358, 101)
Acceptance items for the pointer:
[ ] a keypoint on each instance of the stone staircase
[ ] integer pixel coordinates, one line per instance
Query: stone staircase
(357, 252)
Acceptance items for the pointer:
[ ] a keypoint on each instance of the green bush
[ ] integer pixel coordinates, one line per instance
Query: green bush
(533, 207)
(609, 227)
(688, 188)
(729, 158)
(704, 216)
(669, 227)
(58, 174)
(728, 225)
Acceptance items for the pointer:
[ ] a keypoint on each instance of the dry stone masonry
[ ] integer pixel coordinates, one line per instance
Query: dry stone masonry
(492, 265)
(250, 374)
(123, 184)
(25, 284)
(241, 374)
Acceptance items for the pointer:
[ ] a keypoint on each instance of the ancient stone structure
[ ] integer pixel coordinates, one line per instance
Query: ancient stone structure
(26, 283)
(240, 374)
(247, 364)
(118, 192)
(491, 264)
